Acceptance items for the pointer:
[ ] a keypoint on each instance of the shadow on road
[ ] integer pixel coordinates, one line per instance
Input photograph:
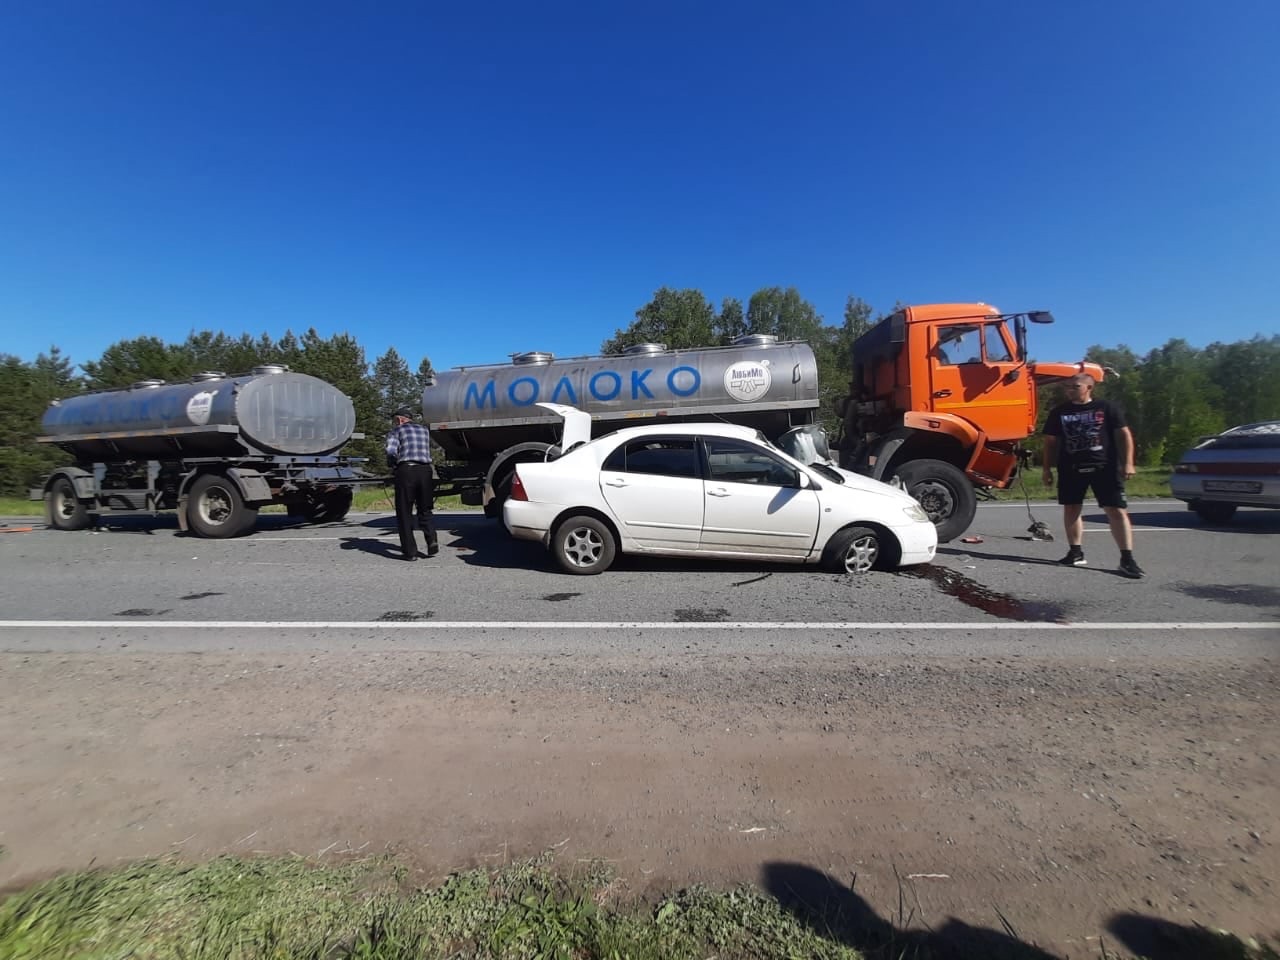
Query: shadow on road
(1156, 939)
(379, 548)
(835, 911)
(1107, 567)
(1245, 520)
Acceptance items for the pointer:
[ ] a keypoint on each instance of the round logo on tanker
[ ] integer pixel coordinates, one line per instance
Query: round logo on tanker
(199, 407)
(747, 380)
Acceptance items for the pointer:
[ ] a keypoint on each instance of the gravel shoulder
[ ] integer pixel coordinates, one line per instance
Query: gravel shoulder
(1061, 794)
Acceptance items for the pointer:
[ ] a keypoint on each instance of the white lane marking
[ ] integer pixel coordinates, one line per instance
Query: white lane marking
(1141, 531)
(613, 625)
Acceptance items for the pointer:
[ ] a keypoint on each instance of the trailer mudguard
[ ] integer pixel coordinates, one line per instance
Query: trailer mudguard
(82, 480)
(253, 485)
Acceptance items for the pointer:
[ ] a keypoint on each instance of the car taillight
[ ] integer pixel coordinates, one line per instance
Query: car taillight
(517, 488)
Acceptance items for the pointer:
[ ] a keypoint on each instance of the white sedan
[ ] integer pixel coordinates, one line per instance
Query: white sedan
(710, 490)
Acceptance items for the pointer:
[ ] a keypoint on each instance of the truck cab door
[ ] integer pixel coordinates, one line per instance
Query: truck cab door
(974, 374)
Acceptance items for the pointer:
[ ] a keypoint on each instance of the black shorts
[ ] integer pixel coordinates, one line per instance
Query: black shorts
(1106, 482)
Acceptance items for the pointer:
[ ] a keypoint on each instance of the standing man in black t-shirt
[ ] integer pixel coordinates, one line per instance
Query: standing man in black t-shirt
(1093, 447)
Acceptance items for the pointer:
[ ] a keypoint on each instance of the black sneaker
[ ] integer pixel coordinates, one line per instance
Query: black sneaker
(1074, 558)
(1129, 568)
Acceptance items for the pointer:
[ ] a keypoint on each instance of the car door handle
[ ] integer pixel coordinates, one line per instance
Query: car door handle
(718, 492)
(942, 393)
(616, 482)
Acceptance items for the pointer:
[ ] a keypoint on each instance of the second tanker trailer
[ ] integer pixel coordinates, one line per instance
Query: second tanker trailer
(486, 420)
(215, 448)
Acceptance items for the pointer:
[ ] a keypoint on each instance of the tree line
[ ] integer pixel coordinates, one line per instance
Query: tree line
(1173, 394)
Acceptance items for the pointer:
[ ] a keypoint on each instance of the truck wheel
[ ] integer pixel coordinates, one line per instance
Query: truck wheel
(583, 545)
(855, 550)
(1215, 512)
(943, 492)
(216, 510)
(66, 512)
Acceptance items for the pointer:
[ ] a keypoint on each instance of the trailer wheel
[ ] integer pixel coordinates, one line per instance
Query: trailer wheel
(501, 490)
(216, 510)
(333, 505)
(66, 512)
(943, 492)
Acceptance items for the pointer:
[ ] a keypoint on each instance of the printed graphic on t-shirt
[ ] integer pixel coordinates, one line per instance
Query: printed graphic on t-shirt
(1082, 433)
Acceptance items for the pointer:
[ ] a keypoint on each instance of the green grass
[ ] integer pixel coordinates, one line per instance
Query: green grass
(372, 499)
(231, 909)
(271, 909)
(1150, 482)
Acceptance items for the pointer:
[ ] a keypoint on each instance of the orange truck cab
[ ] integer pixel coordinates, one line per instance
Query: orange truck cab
(941, 398)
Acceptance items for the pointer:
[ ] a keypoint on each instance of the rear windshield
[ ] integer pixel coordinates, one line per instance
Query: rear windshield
(1261, 438)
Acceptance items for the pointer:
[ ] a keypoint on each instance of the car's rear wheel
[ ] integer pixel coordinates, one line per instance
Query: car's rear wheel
(1215, 512)
(855, 550)
(583, 545)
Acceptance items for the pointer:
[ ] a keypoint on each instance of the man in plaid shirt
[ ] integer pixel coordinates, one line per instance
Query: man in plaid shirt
(409, 455)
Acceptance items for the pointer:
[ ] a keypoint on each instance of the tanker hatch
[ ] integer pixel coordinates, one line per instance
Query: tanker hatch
(531, 357)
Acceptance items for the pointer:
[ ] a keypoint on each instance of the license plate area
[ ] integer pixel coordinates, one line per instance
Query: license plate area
(1232, 486)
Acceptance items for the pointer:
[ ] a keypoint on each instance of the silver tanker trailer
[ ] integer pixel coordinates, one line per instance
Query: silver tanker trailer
(215, 448)
(486, 420)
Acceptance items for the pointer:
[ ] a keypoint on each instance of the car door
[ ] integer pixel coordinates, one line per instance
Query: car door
(754, 502)
(653, 485)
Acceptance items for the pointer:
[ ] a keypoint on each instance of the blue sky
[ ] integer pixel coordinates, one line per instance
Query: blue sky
(467, 181)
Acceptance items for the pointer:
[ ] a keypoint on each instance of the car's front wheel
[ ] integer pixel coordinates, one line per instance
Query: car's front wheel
(855, 550)
(583, 545)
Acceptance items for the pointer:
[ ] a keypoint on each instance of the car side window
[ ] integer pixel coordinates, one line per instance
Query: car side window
(663, 456)
(730, 461)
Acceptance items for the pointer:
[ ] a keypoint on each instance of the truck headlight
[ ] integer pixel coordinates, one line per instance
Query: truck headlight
(915, 513)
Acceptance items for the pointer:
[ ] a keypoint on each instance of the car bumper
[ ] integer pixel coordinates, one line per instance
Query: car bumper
(1249, 492)
(919, 543)
(529, 521)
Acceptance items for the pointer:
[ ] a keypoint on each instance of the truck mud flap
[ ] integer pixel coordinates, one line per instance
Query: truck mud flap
(252, 484)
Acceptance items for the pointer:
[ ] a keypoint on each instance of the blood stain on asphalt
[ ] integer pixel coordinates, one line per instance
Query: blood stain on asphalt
(983, 598)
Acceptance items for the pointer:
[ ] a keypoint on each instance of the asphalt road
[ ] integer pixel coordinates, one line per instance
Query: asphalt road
(139, 584)
(1076, 748)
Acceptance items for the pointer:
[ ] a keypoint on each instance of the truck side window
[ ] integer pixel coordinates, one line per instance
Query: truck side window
(997, 352)
(673, 457)
(732, 462)
(961, 343)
